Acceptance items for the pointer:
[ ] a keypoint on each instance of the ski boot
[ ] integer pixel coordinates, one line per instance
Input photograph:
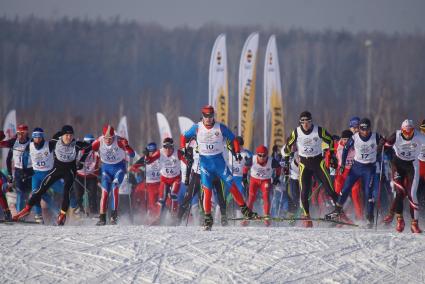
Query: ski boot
(267, 221)
(61, 218)
(114, 217)
(7, 215)
(102, 220)
(38, 218)
(208, 222)
(370, 221)
(414, 227)
(292, 216)
(400, 223)
(248, 213)
(307, 223)
(336, 214)
(224, 221)
(24, 212)
(389, 218)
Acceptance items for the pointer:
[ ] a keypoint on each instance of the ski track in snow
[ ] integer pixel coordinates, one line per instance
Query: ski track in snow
(140, 254)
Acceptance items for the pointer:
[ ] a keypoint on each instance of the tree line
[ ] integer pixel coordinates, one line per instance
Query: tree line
(90, 72)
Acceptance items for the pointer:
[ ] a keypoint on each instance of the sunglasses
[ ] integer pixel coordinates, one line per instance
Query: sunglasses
(208, 115)
(168, 146)
(305, 120)
(262, 155)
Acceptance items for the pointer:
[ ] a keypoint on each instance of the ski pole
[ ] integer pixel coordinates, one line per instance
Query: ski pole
(379, 188)
(193, 194)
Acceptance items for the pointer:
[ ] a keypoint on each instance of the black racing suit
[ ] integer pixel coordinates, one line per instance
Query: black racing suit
(312, 166)
(63, 168)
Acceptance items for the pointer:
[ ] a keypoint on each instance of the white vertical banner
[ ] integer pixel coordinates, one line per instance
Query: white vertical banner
(9, 128)
(164, 127)
(273, 104)
(185, 124)
(218, 93)
(123, 128)
(247, 83)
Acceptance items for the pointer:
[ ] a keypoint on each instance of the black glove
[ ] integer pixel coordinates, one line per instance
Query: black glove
(245, 181)
(238, 157)
(341, 169)
(145, 152)
(333, 162)
(10, 179)
(276, 181)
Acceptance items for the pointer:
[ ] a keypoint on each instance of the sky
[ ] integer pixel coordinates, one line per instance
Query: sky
(402, 16)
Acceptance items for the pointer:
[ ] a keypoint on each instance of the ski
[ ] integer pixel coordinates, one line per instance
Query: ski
(20, 222)
(281, 219)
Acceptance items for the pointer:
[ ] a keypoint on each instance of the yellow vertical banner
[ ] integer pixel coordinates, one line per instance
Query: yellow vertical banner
(218, 94)
(247, 83)
(273, 104)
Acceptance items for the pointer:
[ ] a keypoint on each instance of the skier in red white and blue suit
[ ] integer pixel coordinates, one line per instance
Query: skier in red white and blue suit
(112, 150)
(211, 137)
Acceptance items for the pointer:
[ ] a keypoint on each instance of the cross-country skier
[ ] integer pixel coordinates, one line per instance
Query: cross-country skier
(3, 200)
(309, 138)
(112, 151)
(211, 138)
(19, 156)
(41, 153)
(87, 179)
(261, 169)
(237, 166)
(367, 145)
(406, 144)
(152, 165)
(65, 152)
(341, 175)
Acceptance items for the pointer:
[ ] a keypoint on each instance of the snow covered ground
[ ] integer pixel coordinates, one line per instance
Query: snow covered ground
(140, 254)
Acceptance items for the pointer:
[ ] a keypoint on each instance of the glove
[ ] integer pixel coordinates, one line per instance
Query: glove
(124, 142)
(238, 157)
(245, 181)
(145, 152)
(341, 169)
(276, 181)
(333, 162)
(10, 179)
(2, 136)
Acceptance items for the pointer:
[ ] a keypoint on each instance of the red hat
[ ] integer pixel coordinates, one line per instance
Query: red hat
(261, 150)
(22, 128)
(208, 109)
(108, 131)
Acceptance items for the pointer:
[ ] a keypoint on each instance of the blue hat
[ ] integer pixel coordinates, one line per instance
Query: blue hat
(38, 133)
(354, 122)
(151, 147)
(88, 138)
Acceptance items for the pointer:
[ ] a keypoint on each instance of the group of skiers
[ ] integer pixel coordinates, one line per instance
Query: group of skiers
(213, 165)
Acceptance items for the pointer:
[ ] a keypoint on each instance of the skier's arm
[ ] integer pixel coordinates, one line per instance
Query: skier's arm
(327, 138)
(123, 144)
(95, 145)
(85, 147)
(189, 134)
(228, 135)
(287, 149)
(7, 143)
